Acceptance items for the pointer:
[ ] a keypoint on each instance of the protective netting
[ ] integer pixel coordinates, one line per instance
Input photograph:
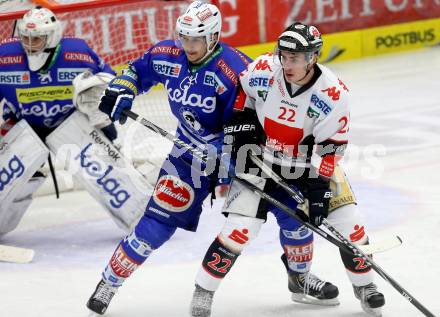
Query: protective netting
(119, 33)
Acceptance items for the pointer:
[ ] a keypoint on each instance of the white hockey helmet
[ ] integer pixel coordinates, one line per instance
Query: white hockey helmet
(201, 19)
(39, 23)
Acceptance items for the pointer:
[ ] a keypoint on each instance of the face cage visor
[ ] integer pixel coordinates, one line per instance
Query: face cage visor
(183, 41)
(296, 58)
(33, 44)
(207, 42)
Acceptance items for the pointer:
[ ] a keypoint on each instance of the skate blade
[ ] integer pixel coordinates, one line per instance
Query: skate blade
(376, 312)
(307, 299)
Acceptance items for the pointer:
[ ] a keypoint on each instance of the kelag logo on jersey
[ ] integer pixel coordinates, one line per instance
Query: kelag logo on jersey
(194, 100)
(212, 80)
(68, 74)
(14, 169)
(320, 104)
(15, 78)
(167, 68)
(102, 173)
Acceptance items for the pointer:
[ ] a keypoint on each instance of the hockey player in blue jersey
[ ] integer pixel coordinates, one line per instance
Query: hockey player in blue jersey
(200, 75)
(40, 90)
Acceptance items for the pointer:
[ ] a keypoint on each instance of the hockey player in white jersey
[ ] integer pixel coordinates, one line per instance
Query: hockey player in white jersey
(298, 111)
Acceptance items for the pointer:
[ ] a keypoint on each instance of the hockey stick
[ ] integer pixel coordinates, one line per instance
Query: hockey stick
(203, 157)
(340, 241)
(15, 254)
(362, 257)
(387, 244)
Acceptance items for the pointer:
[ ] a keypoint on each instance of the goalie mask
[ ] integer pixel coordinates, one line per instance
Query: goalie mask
(40, 32)
(201, 20)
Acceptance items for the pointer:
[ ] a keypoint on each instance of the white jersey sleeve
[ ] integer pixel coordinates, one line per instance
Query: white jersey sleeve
(331, 99)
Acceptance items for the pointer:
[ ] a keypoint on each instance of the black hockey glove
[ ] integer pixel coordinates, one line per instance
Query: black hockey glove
(114, 101)
(119, 96)
(318, 195)
(242, 134)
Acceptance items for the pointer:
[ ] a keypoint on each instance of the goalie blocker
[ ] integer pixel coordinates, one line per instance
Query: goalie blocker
(101, 169)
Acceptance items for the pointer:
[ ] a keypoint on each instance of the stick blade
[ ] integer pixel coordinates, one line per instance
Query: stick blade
(15, 254)
(382, 245)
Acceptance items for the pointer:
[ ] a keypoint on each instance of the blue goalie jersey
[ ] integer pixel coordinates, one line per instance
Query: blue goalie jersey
(200, 96)
(44, 98)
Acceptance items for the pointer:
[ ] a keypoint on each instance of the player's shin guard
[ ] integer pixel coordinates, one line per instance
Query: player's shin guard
(216, 264)
(237, 232)
(305, 287)
(361, 276)
(130, 253)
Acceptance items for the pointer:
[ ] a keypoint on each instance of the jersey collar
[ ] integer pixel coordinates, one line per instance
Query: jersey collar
(316, 74)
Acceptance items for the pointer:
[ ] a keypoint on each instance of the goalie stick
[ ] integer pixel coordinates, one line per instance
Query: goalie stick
(15, 254)
(335, 238)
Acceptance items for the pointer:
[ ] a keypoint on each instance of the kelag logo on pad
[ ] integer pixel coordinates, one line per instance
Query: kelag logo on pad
(98, 170)
(13, 169)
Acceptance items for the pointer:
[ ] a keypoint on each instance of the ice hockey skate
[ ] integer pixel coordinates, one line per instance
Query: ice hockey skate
(201, 302)
(371, 299)
(101, 297)
(307, 288)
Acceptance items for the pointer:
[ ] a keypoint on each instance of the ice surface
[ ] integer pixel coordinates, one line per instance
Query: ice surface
(394, 168)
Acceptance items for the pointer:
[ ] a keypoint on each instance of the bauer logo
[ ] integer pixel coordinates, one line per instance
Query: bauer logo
(68, 74)
(320, 104)
(101, 172)
(173, 194)
(167, 68)
(12, 170)
(212, 80)
(15, 78)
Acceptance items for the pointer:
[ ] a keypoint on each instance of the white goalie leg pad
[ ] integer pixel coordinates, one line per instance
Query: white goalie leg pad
(241, 200)
(348, 221)
(101, 169)
(22, 153)
(10, 217)
(238, 231)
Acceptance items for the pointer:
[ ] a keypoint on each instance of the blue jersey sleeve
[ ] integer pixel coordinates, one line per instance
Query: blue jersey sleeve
(238, 63)
(101, 65)
(144, 69)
